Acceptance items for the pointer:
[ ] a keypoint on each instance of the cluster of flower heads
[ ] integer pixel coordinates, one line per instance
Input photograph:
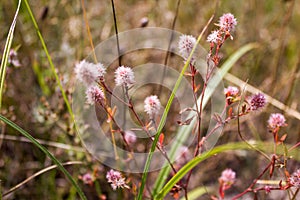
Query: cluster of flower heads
(116, 179)
(226, 25)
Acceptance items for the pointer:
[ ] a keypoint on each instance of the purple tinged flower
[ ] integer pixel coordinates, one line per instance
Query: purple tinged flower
(276, 120)
(124, 76)
(13, 58)
(88, 73)
(116, 180)
(227, 178)
(227, 22)
(87, 179)
(231, 91)
(152, 105)
(295, 179)
(94, 95)
(258, 101)
(214, 37)
(186, 44)
(130, 137)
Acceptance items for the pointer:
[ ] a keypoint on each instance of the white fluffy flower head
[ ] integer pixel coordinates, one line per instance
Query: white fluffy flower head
(88, 73)
(94, 95)
(186, 44)
(124, 76)
(152, 105)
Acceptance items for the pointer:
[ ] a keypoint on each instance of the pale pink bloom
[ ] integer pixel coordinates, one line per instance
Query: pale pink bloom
(214, 37)
(231, 91)
(186, 44)
(258, 101)
(227, 178)
(152, 105)
(130, 137)
(13, 58)
(94, 95)
(116, 180)
(87, 179)
(295, 179)
(124, 76)
(276, 120)
(227, 22)
(89, 73)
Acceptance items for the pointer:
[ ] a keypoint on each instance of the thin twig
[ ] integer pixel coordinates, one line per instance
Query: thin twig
(116, 31)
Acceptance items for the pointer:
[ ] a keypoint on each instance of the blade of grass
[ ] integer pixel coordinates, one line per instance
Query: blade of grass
(264, 146)
(39, 173)
(183, 131)
(164, 116)
(44, 150)
(198, 192)
(7, 47)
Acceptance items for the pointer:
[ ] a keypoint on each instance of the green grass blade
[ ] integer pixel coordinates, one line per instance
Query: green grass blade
(183, 131)
(44, 150)
(198, 192)
(7, 47)
(50, 60)
(163, 119)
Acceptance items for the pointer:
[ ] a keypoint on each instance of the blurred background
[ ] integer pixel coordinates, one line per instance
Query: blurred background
(33, 101)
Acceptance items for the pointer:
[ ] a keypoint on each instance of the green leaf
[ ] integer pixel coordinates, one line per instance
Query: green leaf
(198, 192)
(45, 151)
(184, 131)
(6, 52)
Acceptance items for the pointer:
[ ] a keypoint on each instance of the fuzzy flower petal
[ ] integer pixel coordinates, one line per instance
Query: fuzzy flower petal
(186, 44)
(124, 76)
(130, 137)
(94, 95)
(231, 91)
(228, 177)
(214, 37)
(258, 101)
(276, 120)
(116, 180)
(227, 22)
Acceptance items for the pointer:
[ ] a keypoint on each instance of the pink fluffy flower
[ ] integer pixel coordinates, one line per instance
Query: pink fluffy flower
(214, 37)
(228, 177)
(152, 105)
(231, 91)
(124, 76)
(276, 120)
(130, 137)
(186, 44)
(295, 179)
(227, 22)
(116, 180)
(94, 95)
(88, 73)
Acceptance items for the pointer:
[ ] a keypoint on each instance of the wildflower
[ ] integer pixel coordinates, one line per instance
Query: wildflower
(94, 95)
(87, 179)
(227, 22)
(186, 44)
(231, 91)
(227, 178)
(124, 76)
(276, 120)
(88, 73)
(295, 179)
(13, 58)
(115, 179)
(214, 37)
(258, 101)
(130, 137)
(152, 105)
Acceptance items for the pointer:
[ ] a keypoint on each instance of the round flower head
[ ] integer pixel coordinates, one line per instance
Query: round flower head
(87, 179)
(94, 95)
(227, 22)
(295, 179)
(276, 120)
(130, 137)
(152, 105)
(124, 76)
(186, 44)
(258, 101)
(228, 177)
(231, 91)
(214, 37)
(115, 179)
(88, 73)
